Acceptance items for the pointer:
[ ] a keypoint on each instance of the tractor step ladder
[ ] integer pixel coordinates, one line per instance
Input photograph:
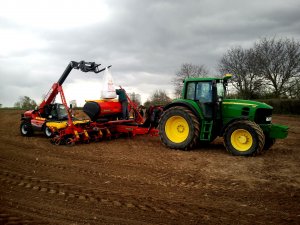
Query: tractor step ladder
(206, 128)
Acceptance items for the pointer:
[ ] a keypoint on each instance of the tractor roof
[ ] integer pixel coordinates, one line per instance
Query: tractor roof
(191, 79)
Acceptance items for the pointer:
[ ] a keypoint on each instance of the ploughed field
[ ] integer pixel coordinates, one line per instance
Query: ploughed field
(139, 181)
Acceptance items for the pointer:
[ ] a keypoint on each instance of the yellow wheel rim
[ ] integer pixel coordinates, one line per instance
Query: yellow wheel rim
(177, 129)
(241, 140)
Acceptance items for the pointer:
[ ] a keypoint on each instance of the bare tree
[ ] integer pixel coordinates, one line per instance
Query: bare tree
(293, 90)
(25, 103)
(243, 65)
(159, 97)
(279, 63)
(187, 70)
(271, 62)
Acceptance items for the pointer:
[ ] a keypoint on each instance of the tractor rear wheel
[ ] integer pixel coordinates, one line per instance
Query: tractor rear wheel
(26, 128)
(244, 138)
(179, 128)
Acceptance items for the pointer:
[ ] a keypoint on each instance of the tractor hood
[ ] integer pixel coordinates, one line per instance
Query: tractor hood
(254, 111)
(239, 103)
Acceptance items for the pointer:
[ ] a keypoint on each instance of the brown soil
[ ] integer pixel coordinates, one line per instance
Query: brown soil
(138, 181)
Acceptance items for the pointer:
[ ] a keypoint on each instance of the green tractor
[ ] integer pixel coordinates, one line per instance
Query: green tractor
(203, 113)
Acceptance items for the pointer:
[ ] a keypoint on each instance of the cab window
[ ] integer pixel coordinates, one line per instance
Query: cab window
(62, 112)
(190, 93)
(204, 91)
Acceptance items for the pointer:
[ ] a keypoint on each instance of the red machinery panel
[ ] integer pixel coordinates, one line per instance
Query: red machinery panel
(100, 108)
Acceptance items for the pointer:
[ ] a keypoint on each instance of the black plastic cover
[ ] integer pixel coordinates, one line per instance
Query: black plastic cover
(92, 109)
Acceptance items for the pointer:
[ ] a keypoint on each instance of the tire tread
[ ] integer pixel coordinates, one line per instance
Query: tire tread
(196, 125)
(258, 130)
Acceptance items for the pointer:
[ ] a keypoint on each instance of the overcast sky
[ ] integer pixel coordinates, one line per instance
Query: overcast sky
(145, 41)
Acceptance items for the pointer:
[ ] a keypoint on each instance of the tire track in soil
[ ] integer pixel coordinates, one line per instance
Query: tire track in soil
(160, 178)
(8, 218)
(64, 153)
(173, 182)
(47, 214)
(212, 187)
(76, 192)
(208, 189)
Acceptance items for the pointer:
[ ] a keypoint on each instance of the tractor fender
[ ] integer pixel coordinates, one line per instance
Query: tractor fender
(232, 121)
(23, 118)
(188, 105)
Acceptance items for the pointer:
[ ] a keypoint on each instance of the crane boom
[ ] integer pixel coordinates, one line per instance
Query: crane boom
(82, 65)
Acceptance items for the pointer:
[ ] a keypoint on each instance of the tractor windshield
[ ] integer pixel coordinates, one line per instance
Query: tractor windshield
(204, 91)
(62, 112)
(201, 91)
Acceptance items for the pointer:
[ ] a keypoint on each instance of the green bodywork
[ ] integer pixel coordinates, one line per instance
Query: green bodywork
(275, 131)
(234, 108)
(226, 111)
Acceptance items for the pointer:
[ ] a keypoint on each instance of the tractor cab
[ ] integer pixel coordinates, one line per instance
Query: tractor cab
(207, 93)
(55, 111)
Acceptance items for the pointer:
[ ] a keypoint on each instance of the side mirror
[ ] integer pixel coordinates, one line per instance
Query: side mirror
(71, 106)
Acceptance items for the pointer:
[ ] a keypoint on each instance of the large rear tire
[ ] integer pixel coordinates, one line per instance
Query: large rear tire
(179, 128)
(244, 138)
(26, 128)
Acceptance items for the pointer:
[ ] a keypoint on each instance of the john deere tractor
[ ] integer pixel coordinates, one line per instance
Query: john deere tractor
(203, 113)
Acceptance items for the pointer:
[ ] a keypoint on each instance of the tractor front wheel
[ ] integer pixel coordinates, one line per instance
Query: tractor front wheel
(244, 138)
(26, 128)
(269, 142)
(179, 128)
(48, 132)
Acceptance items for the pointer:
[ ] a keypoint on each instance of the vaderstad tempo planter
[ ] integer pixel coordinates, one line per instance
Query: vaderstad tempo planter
(56, 120)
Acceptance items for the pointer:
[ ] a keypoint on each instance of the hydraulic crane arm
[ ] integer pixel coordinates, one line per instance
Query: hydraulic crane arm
(82, 65)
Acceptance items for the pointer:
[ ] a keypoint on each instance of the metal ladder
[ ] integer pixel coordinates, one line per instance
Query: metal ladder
(206, 128)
